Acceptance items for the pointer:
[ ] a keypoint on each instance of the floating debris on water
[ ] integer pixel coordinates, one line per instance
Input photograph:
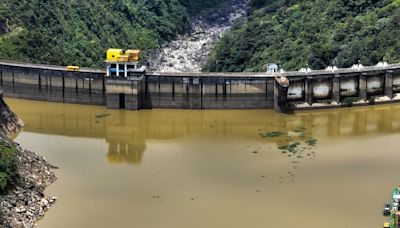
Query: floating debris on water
(312, 142)
(291, 147)
(272, 134)
(296, 144)
(101, 116)
(300, 148)
(299, 129)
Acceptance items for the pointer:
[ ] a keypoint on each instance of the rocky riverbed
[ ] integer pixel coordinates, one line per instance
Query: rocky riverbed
(26, 202)
(189, 52)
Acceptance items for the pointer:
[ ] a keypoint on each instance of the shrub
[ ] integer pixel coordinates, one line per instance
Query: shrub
(8, 166)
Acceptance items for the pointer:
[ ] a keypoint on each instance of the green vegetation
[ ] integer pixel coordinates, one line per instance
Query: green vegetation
(299, 149)
(291, 147)
(195, 6)
(79, 32)
(8, 166)
(101, 116)
(299, 129)
(317, 33)
(272, 134)
(311, 142)
(350, 100)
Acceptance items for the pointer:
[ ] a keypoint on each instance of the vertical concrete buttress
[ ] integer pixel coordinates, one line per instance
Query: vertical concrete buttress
(389, 84)
(270, 90)
(124, 94)
(281, 86)
(195, 93)
(308, 87)
(363, 87)
(336, 88)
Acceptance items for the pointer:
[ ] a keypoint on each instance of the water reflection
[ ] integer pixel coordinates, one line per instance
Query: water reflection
(126, 132)
(129, 152)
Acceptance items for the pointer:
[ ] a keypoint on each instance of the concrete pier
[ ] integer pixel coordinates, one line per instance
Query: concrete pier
(363, 95)
(280, 94)
(308, 90)
(389, 83)
(124, 94)
(336, 88)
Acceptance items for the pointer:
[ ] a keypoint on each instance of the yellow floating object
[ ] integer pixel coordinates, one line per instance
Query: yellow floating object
(73, 68)
(113, 54)
(386, 225)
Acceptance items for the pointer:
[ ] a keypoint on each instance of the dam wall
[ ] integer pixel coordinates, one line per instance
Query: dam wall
(53, 85)
(313, 89)
(208, 92)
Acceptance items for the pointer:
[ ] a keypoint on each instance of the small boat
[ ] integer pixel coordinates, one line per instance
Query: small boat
(386, 210)
(393, 210)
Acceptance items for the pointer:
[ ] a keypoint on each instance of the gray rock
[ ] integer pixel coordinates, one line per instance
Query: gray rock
(195, 46)
(27, 203)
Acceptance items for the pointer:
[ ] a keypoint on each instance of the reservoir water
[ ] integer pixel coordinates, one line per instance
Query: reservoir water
(215, 168)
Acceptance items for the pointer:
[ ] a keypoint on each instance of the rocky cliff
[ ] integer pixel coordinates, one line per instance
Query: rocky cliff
(9, 122)
(23, 201)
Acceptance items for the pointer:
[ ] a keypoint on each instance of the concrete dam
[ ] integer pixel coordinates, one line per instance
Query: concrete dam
(280, 91)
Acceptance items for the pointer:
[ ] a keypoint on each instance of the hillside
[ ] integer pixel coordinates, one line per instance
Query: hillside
(317, 33)
(79, 32)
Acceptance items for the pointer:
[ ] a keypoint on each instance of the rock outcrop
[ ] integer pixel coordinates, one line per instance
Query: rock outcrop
(4, 27)
(26, 202)
(189, 52)
(10, 123)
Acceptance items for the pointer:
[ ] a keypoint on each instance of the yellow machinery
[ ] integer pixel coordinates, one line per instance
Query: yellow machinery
(73, 68)
(133, 55)
(125, 64)
(118, 55)
(123, 58)
(386, 225)
(114, 54)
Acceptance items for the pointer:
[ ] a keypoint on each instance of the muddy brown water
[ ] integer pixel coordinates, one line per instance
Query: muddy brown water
(186, 168)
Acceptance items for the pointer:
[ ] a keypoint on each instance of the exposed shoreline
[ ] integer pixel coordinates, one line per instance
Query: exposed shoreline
(26, 202)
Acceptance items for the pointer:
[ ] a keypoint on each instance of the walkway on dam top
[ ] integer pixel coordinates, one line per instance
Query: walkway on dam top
(364, 69)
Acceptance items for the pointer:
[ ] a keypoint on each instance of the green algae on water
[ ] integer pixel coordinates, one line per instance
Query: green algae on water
(101, 116)
(291, 147)
(272, 134)
(299, 129)
(311, 142)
